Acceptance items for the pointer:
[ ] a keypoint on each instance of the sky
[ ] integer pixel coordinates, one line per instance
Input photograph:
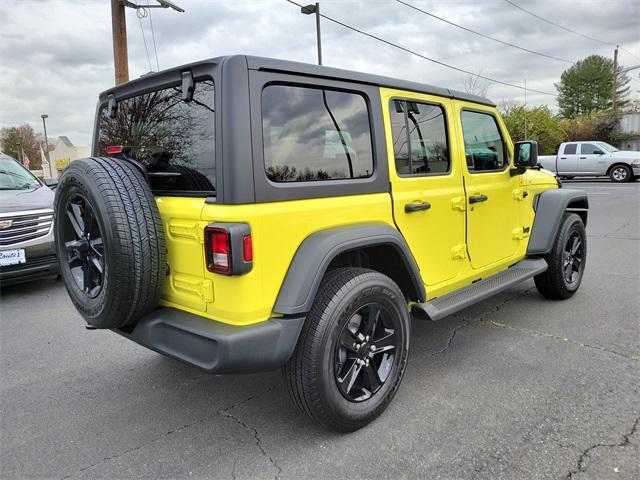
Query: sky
(56, 55)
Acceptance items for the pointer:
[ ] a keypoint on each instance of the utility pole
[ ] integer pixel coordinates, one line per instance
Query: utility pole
(308, 10)
(615, 81)
(119, 31)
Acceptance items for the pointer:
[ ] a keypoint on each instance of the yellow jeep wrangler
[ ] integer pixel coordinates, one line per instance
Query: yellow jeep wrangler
(243, 214)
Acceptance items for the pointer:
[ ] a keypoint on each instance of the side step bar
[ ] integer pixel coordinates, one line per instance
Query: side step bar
(453, 302)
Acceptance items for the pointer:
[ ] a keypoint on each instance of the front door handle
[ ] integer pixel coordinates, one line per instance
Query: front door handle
(478, 198)
(583, 158)
(416, 207)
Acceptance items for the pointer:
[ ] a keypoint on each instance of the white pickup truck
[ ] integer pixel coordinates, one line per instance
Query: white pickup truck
(592, 159)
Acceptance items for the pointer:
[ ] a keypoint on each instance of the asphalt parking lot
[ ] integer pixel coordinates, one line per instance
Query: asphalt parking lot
(517, 387)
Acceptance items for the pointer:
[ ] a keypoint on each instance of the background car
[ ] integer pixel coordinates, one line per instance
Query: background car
(593, 159)
(27, 248)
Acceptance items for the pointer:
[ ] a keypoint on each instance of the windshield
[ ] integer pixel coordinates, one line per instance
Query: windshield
(14, 176)
(607, 148)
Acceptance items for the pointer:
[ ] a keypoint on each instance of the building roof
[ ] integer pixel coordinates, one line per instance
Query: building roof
(64, 139)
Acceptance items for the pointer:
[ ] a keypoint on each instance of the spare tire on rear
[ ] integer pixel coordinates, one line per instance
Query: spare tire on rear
(109, 241)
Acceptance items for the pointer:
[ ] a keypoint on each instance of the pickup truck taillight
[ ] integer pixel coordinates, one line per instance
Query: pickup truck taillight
(228, 248)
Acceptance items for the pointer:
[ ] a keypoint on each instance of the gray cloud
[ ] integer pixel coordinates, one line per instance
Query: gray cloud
(56, 56)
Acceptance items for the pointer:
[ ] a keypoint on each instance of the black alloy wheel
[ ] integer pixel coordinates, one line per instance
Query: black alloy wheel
(82, 238)
(566, 261)
(573, 256)
(366, 352)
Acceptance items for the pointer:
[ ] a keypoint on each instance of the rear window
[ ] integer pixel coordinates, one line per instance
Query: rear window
(173, 138)
(313, 134)
(570, 148)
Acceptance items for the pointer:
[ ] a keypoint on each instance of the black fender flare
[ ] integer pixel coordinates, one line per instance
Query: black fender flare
(550, 207)
(316, 252)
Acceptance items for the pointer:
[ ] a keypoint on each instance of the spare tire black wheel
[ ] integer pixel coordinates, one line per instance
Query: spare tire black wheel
(109, 241)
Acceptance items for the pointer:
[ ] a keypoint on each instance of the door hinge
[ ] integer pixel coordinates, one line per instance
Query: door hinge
(521, 233)
(194, 286)
(519, 194)
(458, 203)
(459, 251)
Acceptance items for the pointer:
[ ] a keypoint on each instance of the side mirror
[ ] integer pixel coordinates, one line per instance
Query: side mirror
(525, 156)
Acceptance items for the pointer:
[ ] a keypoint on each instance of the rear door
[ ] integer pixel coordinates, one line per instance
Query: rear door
(568, 158)
(592, 160)
(428, 197)
(493, 195)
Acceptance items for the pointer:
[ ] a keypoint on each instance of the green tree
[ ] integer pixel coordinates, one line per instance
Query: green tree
(542, 126)
(16, 140)
(586, 87)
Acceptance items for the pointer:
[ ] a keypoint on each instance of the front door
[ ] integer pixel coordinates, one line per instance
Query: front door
(426, 182)
(493, 195)
(591, 160)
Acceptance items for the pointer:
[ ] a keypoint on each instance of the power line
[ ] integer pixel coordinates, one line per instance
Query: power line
(412, 52)
(153, 36)
(141, 14)
(484, 35)
(567, 28)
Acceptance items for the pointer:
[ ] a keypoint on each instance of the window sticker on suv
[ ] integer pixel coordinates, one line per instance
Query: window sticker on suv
(313, 134)
(168, 135)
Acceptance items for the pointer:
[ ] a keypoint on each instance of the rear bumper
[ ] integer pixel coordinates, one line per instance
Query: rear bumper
(218, 347)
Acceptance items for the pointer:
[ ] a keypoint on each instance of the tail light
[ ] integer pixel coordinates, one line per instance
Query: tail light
(115, 149)
(228, 248)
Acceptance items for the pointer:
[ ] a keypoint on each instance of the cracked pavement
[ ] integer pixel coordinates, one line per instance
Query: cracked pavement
(514, 387)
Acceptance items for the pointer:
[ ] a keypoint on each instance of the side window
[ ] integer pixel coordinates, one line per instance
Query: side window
(484, 148)
(419, 133)
(589, 149)
(570, 148)
(312, 134)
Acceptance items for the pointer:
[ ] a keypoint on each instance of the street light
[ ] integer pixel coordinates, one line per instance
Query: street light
(46, 141)
(308, 10)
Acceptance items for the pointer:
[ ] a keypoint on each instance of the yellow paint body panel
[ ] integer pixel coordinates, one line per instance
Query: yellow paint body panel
(453, 244)
(277, 230)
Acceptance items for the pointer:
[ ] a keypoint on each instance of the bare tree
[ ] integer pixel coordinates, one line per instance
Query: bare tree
(476, 85)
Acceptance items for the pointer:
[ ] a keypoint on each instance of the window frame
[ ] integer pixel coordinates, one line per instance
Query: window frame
(270, 191)
(502, 138)
(406, 121)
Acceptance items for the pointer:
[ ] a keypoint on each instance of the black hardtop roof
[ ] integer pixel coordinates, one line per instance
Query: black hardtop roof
(287, 66)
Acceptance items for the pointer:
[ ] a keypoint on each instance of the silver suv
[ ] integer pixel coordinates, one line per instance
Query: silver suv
(27, 246)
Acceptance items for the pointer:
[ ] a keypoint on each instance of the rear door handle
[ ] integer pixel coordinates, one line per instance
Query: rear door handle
(563, 158)
(478, 198)
(583, 158)
(416, 207)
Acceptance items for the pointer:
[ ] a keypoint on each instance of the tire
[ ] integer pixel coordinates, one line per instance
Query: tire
(317, 374)
(621, 174)
(109, 241)
(554, 283)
